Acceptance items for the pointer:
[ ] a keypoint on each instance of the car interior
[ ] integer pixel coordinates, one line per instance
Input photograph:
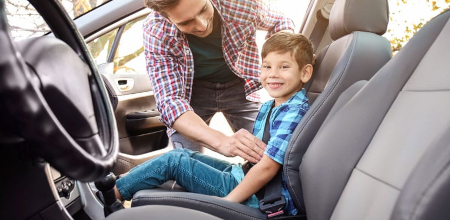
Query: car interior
(374, 145)
(338, 66)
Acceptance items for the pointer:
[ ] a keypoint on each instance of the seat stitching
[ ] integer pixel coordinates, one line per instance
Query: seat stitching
(376, 178)
(417, 90)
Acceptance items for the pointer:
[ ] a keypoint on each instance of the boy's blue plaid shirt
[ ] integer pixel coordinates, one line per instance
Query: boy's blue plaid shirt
(283, 121)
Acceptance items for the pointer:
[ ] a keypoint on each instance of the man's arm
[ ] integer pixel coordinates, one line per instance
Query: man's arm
(241, 143)
(168, 79)
(257, 177)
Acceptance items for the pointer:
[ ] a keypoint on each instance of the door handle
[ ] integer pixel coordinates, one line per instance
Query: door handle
(125, 84)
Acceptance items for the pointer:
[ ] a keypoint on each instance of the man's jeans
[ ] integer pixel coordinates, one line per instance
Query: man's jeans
(193, 171)
(228, 98)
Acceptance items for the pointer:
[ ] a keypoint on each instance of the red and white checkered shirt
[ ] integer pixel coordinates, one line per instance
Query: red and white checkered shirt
(170, 63)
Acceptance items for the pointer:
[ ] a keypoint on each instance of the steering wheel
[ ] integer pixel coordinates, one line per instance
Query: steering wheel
(55, 99)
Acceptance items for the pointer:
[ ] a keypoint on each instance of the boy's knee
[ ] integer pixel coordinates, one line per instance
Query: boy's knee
(178, 153)
(176, 150)
(185, 151)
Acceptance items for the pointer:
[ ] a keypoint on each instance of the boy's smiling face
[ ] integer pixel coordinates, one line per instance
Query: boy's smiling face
(282, 77)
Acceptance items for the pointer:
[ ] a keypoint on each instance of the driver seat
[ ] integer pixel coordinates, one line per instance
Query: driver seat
(338, 66)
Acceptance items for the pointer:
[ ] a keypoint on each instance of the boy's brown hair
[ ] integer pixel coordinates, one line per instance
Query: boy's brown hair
(300, 47)
(161, 5)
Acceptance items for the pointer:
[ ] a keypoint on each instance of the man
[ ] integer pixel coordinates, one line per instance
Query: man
(202, 58)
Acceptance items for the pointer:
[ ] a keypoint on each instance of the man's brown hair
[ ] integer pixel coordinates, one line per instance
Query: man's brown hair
(160, 5)
(300, 47)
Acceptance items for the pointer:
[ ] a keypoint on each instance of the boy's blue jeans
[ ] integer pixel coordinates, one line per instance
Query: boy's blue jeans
(193, 171)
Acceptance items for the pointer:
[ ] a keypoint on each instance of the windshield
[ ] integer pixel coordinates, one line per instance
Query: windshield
(26, 22)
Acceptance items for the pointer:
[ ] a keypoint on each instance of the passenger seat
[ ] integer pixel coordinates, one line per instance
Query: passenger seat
(384, 153)
(357, 53)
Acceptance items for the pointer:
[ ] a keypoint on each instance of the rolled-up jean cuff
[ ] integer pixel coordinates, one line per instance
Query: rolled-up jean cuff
(123, 193)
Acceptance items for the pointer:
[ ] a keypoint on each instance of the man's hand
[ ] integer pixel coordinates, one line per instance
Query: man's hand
(243, 144)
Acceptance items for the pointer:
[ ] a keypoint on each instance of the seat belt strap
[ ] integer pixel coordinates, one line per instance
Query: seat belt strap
(271, 201)
(265, 139)
(319, 30)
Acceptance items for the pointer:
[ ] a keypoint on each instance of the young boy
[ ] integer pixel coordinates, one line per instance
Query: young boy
(286, 66)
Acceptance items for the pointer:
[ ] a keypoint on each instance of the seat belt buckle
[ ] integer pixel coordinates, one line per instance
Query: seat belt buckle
(273, 209)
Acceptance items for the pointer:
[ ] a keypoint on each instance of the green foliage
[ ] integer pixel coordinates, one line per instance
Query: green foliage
(405, 20)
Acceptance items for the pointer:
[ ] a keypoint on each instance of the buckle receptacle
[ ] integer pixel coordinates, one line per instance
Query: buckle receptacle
(272, 208)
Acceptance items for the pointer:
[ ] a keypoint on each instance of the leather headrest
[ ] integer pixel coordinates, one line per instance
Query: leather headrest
(358, 15)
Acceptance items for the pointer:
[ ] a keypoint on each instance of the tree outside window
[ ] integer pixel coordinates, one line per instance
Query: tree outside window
(406, 17)
(25, 22)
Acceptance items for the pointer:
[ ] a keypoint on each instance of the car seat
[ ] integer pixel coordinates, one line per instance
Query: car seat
(383, 152)
(357, 53)
(338, 66)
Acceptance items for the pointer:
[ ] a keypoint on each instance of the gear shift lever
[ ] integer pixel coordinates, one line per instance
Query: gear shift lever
(106, 187)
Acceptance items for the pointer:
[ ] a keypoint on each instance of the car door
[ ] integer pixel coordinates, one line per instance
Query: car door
(118, 51)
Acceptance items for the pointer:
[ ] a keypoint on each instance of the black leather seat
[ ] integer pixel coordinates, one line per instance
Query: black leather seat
(339, 65)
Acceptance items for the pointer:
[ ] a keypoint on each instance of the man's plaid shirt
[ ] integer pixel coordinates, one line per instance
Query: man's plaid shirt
(170, 63)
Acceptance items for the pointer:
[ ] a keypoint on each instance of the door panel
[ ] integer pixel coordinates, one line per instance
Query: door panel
(141, 134)
(119, 54)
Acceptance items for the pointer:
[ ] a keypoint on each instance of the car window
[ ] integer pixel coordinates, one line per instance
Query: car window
(129, 57)
(128, 52)
(25, 22)
(101, 47)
